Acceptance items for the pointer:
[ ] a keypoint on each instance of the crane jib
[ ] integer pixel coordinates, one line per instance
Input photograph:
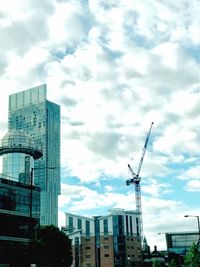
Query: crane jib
(136, 180)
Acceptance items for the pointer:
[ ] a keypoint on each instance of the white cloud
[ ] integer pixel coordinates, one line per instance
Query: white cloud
(193, 186)
(114, 67)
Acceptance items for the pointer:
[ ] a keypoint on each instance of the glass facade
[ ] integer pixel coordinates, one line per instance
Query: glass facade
(31, 112)
(15, 208)
(16, 167)
(19, 198)
(119, 241)
(180, 243)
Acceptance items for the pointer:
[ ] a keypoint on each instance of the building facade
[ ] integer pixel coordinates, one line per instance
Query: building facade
(31, 112)
(178, 244)
(15, 219)
(105, 241)
(19, 197)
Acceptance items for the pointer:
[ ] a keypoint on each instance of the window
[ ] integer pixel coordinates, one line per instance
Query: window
(105, 226)
(137, 226)
(79, 224)
(70, 224)
(87, 248)
(87, 256)
(106, 238)
(87, 227)
(131, 226)
(106, 247)
(106, 255)
(76, 241)
(127, 224)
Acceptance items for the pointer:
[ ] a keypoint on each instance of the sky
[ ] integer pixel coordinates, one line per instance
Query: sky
(114, 67)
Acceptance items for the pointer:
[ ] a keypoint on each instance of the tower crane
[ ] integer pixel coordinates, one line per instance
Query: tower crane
(136, 180)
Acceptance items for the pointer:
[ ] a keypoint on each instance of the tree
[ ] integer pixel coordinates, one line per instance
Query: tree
(157, 263)
(192, 258)
(172, 263)
(51, 248)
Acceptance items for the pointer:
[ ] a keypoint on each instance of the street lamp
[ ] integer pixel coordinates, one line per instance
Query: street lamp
(196, 216)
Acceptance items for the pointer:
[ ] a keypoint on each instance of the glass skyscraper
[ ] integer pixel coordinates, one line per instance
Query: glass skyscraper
(31, 112)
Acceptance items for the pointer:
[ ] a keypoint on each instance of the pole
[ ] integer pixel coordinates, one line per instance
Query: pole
(199, 229)
(31, 203)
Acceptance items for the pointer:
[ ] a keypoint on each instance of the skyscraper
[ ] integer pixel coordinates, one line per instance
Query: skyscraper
(31, 112)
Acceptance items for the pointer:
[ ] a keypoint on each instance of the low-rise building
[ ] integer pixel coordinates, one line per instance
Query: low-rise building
(178, 243)
(105, 241)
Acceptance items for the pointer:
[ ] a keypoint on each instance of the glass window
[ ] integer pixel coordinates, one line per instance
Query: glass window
(131, 225)
(71, 224)
(127, 224)
(87, 227)
(105, 226)
(79, 222)
(27, 97)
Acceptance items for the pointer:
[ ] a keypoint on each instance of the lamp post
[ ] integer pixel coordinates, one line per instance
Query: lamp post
(196, 216)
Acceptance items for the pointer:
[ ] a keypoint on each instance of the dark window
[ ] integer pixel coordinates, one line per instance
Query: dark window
(105, 226)
(127, 225)
(87, 226)
(118, 225)
(87, 256)
(106, 255)
(71, 224)
(79, 224)
(131, 226)
(137, 226)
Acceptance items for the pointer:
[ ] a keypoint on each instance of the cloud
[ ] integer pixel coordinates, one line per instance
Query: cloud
(193, 186)
(114, 67)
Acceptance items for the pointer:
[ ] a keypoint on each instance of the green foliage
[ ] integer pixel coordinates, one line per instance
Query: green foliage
(51, 248)
(157, 263)
(192, 258)
(172, 263)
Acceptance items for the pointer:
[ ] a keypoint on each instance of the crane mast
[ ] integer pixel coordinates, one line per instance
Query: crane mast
(136, 181)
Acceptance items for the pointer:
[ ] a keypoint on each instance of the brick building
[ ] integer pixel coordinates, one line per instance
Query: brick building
(105, 241)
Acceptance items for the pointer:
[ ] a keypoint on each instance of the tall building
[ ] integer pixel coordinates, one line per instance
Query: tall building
(105, 241)
(31, 112)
